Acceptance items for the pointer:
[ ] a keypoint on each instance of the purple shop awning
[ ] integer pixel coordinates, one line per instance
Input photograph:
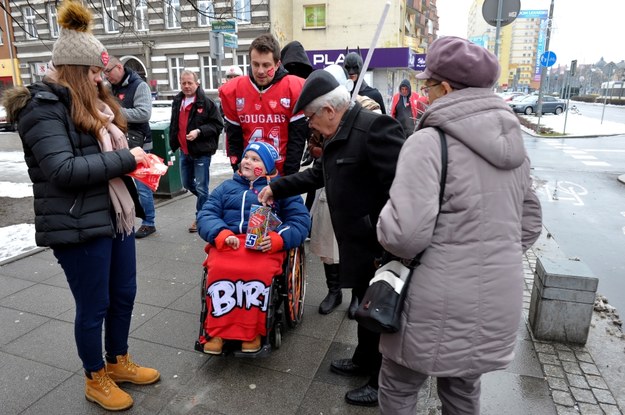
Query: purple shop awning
(382, 58)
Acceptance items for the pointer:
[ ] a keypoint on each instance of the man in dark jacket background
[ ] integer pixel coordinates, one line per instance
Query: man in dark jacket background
(194, 129)
(360, 151)
(136, 101)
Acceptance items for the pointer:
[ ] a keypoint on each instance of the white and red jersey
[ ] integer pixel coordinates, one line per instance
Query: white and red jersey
(262, 115)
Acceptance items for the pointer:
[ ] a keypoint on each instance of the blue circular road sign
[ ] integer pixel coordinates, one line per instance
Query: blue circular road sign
(548, 58)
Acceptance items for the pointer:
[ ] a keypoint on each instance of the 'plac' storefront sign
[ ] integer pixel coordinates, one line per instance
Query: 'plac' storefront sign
(402, 58)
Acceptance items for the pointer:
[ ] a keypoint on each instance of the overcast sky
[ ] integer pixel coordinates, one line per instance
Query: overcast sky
(583, 30)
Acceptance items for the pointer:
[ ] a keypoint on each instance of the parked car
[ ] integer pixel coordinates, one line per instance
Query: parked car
(4, 124)
(529, 104)
(509, 96)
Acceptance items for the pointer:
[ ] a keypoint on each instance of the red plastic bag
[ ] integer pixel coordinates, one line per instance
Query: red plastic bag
(150, 174)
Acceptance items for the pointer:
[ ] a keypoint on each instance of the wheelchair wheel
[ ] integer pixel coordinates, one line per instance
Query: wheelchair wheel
(277, 336)
(296, 286)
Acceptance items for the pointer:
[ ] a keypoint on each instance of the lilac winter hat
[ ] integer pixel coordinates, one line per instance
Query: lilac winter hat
(461, 63)
(267, 153)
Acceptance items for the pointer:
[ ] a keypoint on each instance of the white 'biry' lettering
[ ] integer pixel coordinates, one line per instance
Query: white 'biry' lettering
(226, 295)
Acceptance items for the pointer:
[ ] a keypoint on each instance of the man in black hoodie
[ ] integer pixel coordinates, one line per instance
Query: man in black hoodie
(295, 60)
(259, 107)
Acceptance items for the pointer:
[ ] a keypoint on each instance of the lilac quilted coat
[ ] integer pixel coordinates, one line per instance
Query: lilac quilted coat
(464, 302)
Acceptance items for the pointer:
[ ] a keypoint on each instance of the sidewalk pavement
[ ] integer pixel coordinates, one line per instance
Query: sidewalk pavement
(41, 372)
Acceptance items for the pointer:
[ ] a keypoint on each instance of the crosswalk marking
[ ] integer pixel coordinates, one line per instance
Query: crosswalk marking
(596, 163)
(581, 155)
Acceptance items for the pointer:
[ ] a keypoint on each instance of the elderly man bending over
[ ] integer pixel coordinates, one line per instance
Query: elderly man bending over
(360, 150)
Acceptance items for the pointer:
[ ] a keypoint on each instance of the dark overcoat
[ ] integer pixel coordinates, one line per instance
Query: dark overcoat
(357, 169)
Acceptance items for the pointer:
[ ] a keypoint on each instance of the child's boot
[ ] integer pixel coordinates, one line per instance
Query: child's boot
(125, 370)
(101, 389)
(251, 346)
(214, 346)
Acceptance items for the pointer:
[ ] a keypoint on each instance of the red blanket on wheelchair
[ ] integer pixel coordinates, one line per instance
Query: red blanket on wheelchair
(237, 291)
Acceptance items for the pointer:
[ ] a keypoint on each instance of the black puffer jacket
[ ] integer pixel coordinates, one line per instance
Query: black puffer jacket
(204, 116)
(69, 172)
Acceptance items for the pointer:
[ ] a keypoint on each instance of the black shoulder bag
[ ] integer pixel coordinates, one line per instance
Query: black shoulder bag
(381, 307)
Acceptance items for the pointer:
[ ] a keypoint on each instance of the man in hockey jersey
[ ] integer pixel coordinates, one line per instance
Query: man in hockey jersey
(259, 107)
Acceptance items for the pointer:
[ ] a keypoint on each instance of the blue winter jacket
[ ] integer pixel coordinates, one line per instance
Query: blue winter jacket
(228, 207)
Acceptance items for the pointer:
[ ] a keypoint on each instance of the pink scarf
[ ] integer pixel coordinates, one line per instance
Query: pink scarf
(112, 138)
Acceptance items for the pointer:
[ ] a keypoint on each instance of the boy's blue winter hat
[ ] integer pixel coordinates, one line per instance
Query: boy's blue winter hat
(268, 154)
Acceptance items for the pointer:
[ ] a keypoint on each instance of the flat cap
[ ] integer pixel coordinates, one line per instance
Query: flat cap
(461, 63)
(317, 84)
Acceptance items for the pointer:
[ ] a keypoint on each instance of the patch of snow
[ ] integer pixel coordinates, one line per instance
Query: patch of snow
(16, 239)
(16, 190)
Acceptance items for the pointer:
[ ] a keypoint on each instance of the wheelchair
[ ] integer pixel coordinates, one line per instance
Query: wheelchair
(285, 306)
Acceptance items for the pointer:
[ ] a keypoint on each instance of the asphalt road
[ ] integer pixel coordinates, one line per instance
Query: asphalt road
(584, 203)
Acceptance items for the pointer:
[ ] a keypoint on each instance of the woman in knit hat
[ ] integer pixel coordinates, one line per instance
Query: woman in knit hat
(223, 222)
(77, 155)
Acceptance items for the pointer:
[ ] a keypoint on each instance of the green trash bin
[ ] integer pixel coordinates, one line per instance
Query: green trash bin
(171, 183)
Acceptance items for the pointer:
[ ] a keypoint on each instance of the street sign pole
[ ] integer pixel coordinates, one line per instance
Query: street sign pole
(539, 109)
(225, 34)
(217, 51)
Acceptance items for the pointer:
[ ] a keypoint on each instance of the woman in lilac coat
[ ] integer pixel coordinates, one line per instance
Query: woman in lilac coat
(464, 302)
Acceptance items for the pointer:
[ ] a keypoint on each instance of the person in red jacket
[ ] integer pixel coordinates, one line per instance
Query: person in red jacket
(407, 107)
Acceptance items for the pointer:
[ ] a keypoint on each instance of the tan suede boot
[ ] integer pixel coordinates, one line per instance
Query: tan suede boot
(251, 346)
(125, 370)
(102, 390)
(214, 346)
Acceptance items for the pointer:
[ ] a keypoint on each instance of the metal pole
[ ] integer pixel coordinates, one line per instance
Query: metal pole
(539, 109)
(605, 94)
(374, 42)
(568, 95)
(498, 27)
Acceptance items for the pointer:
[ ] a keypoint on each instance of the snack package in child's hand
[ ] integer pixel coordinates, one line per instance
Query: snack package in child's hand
(273, 222)
(150, 174)
(261, 221)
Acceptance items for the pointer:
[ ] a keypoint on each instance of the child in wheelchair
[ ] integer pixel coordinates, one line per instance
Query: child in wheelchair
(239, 278)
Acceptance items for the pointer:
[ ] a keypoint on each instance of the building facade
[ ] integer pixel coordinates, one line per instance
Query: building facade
(330, 29)
(158, 39)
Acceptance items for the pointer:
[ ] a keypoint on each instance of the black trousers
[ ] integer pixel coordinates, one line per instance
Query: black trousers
(367, 353)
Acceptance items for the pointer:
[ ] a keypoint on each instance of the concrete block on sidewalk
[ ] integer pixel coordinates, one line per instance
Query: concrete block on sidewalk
(562, 300)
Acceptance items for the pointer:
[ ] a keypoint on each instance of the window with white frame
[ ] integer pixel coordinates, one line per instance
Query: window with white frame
(141, 15)
(242, 62)
(315, 18)
(242, 10)
(208, 75)
(176, 66)
(172, 14)
(30, 27)
(110, 16)
(206, 11)
(53, 22)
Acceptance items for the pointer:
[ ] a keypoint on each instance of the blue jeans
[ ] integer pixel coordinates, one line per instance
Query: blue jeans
(195, 172)
(103, 279)
(146, 198)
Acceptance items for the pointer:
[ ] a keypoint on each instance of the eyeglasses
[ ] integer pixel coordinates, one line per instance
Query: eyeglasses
(109, 70)
(426, 88)
(311, 116)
